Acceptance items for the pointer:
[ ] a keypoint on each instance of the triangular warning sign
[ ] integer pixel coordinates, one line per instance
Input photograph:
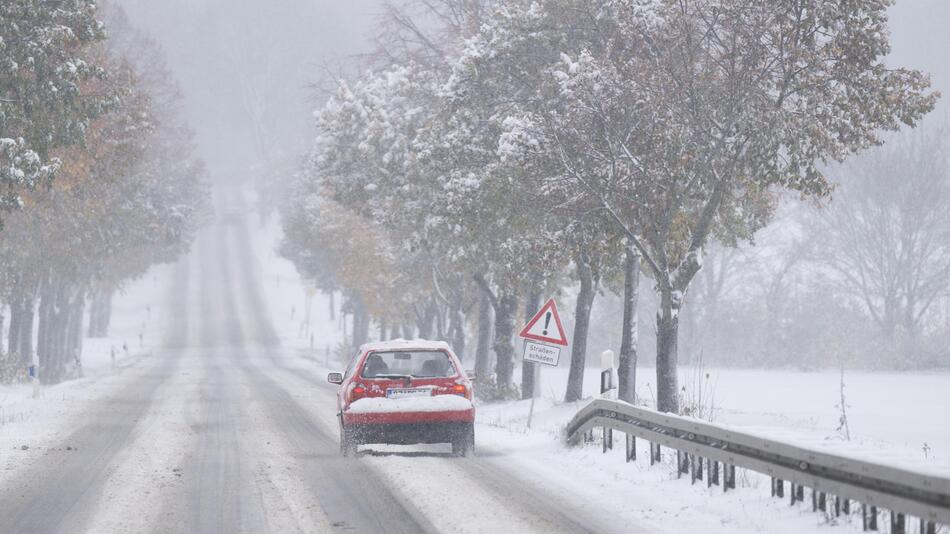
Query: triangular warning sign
(545, 326)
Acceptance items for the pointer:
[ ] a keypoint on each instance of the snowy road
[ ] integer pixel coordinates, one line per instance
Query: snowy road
(224, 431)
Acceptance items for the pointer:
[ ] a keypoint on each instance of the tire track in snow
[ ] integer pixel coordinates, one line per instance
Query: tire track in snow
(351, 495)
(221, 494)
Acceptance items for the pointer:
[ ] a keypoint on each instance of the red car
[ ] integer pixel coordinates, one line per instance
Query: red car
(405, 392)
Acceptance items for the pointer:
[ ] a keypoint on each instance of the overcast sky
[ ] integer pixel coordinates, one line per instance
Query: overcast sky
(246, 66)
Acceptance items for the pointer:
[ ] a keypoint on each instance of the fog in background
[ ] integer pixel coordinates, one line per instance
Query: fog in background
(247, 68)
(249, 72)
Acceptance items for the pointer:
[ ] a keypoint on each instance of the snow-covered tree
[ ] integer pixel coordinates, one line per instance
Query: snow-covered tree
(130, 196)
(42, 104)
(700, 110)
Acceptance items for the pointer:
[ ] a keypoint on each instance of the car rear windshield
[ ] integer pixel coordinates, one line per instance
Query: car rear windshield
(417, 364)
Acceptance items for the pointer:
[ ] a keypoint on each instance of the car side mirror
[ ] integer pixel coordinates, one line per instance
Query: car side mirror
(335, 378)
(470, 373)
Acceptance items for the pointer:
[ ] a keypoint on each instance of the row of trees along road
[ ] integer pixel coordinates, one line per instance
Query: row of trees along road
(498, 151)
(97, 168)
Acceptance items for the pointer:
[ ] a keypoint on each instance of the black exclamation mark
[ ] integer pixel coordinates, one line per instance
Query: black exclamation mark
(547, 321)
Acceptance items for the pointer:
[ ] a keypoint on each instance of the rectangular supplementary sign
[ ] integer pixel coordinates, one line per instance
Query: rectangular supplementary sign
(543, 354)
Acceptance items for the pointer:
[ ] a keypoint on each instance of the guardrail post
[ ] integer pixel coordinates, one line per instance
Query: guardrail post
(608, 439)
(846, 506)
(631, 447)
(926, 527)
(696, 468)
(713, 469)
(823, 502)
(800, 493)
(680, 460)
(898, 524)
(793, 492)
(814, 500)
(869, 517)
(837, 506)
(778, 488)
(728, 477)
(655, 454)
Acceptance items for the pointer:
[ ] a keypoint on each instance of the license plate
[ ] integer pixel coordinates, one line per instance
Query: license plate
(403, 393)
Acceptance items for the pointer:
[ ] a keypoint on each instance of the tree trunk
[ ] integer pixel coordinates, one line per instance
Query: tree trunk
(504, 350)
(52, 332)
(100, 313)
(42, 328)
(585, 300)
(459, 332)
(332, 300)
(627, 373)
(382, 329)
(20, 337)
(532, 304)
(16, 319)
(483, 342)
(360, 322)
(440, 322)
(28, 310)
(667, 330)
(425, 319)
(73, 343)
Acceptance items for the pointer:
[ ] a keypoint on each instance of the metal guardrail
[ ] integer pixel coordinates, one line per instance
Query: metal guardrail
(837, 482)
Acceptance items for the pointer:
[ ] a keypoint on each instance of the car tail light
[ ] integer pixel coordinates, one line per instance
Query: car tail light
(459, 389)
(357, 392)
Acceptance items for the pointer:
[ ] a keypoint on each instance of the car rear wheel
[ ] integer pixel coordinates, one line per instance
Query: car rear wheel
(464, 445)
(348, 444)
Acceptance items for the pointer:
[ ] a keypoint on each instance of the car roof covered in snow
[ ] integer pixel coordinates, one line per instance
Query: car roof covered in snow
(405, 344)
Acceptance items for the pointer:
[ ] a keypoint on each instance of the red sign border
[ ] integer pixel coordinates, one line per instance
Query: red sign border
(550, 304)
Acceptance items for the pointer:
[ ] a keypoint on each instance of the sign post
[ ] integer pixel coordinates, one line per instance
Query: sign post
(544, 336)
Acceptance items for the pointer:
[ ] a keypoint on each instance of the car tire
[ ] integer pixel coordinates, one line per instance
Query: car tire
(348, 444)
(464, 445)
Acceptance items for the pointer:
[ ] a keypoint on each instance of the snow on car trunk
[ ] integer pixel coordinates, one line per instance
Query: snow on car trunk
(437, 403)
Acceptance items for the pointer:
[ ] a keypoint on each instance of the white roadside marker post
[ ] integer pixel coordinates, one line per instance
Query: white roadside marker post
(35, 376)
(607, 390)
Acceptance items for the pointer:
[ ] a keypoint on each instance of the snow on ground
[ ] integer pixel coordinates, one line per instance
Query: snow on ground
(285, 492)
(31, 426)
(893, 417)
(147, 475)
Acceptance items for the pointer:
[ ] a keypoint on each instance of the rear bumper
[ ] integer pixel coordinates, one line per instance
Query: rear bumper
(410, 433)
